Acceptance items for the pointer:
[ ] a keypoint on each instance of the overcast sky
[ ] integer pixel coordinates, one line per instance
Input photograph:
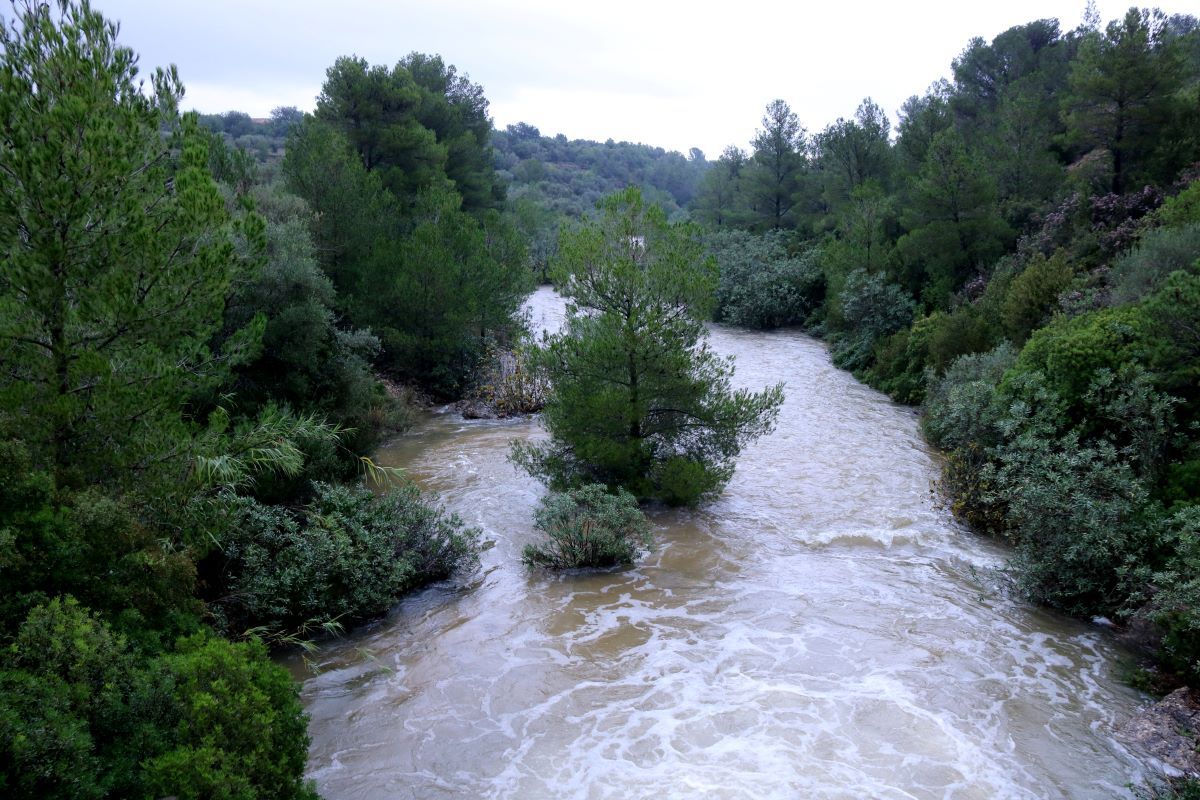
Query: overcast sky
(672, 74)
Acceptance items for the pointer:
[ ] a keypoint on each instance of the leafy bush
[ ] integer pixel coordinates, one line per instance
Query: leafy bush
(1070, 351)
(1159, 253)
(82, 715)
(348, 555)
(1177, 603)
(1173, 340)
(587, 527)
(86, 544)
(234, 725)
(967, 329)
(65, 721)
(761, 284)
(872, 308)
(1182, 209)
(958, 404)
(900, 360)
(1033, 294)
(1075, 513)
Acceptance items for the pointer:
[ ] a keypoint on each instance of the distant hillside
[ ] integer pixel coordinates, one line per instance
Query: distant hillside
(567, 176)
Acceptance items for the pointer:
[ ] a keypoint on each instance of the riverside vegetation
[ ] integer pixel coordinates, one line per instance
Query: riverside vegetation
(194, 313)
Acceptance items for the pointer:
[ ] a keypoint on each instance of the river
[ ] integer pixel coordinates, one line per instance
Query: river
(823, 630)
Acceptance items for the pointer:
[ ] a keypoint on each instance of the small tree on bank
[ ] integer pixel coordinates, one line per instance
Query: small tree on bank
(638, 400)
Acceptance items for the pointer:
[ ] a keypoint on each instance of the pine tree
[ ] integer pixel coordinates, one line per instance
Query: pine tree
(638, 400)
(114, 246)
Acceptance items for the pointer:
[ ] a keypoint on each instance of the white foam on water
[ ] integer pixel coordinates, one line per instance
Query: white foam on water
(823, 630)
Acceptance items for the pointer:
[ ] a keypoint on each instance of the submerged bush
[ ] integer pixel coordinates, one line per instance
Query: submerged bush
(348, 555)
(588, 527)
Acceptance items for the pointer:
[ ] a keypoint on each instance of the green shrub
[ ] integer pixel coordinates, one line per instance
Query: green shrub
(588, 527)
(1182, 209)
(81, 715)
(64, 713)
(872, 308)
(1033, 295)
(1075, 492)
(761, 284)
(237, 731)
(1070, 351)
(1173, 343)
(1177, 603)
(901, 360)
(959, 405)
(967, 329)
(1159, 253)
(1076, 515)
(88, 545)
(348, 555)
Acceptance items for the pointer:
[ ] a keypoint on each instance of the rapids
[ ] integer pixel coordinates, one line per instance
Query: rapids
(823, 630)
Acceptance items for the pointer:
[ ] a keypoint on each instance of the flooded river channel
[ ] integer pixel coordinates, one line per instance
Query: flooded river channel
(823, 630)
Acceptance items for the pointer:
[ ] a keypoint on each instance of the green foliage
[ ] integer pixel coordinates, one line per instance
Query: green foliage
(587, 527)
(418, 126)
(958, 405)
(81, 715)
(872, 308)
(237, 730)
(51, 543)
(66, 722)
(1121, 86)
(306, 362)
(432, 281)
(566, 177)
(347, 556)
(1070, 351)
(1177, 603)
(967, 329)
(899, 361)
(776, 167)
(115, 245)
(1157, 254)
(637, 399)
(1033, 294)
(720, 200)
(850, 153)
(762, 285)
(1173, 340)
(1182, 209)
(954, 225)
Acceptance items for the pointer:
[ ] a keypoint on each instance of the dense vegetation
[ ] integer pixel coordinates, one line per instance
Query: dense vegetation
(1024, 258)
(187, 389)
(555, 181)
(197, 314)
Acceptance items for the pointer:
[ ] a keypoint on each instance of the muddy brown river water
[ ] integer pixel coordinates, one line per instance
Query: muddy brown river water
(823, 630)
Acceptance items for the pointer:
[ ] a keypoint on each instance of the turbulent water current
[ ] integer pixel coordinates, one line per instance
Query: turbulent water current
(823, 630)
